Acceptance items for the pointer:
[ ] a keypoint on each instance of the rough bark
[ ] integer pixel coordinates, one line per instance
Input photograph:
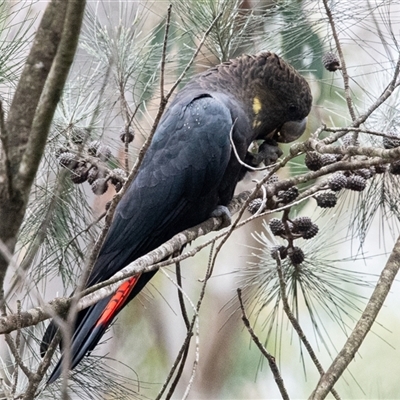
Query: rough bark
(24, 134)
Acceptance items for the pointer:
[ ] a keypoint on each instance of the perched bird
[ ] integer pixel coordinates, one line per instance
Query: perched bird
(190, 171)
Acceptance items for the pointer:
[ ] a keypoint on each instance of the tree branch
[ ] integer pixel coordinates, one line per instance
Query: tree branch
(20, 118)
(342, 62)
(30, 86)
(51, 94)
(296, 325)
(97, 292)
(353, 343)
(271, 359)
(32, 110)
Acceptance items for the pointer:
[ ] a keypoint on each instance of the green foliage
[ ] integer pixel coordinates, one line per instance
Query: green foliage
(316, 285)
(15, 36)
(124, 49)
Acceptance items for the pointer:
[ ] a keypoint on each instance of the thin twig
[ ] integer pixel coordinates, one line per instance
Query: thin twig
(199, 303)
(180, 296)
(296, 325)
(243, 208)
(181, 357)
(271, 359)
(394, 83)
(164, 53)
(182, 364)
(4, 151)
(340, 132)
(14, 349)
(18, 342)
(36, 379)
(263, 201)
(128, 124)
(189, 64)
(181, 354)
(126, 150)
(342, 62)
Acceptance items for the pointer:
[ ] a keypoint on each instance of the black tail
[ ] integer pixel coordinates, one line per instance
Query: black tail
(92, 323)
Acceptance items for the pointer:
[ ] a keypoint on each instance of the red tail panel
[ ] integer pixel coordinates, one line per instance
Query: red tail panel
(117, 301)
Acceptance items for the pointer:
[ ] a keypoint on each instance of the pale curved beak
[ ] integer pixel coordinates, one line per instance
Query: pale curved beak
(291, 131)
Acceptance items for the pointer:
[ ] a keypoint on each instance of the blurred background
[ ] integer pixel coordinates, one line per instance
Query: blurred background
(114, 85)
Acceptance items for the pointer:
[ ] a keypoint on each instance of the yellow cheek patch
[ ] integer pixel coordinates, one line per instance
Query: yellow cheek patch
(256, 105)
(256, 109)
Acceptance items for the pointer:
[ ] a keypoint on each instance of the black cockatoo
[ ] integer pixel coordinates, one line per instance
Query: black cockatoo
(190, 170)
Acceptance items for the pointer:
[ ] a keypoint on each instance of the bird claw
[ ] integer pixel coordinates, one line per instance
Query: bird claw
(225, 215)
(268, 153)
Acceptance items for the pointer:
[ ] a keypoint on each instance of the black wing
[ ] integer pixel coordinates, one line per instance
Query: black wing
(176, 188)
